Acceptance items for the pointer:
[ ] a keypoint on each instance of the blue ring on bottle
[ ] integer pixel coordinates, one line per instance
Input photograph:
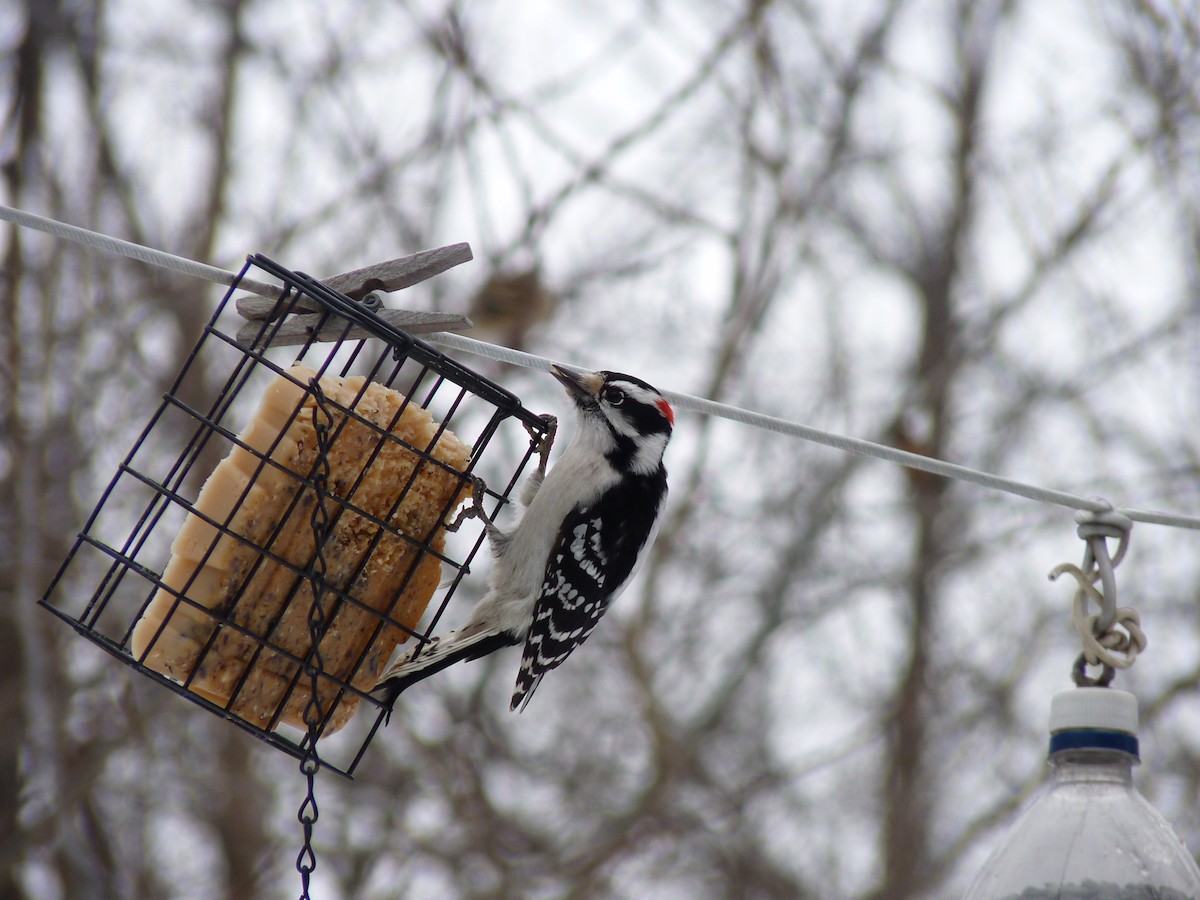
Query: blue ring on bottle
(1093, 739)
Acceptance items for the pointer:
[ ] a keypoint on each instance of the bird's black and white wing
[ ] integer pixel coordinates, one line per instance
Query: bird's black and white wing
(596, 554)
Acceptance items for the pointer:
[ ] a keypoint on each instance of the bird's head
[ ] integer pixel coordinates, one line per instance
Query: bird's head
(629, 421)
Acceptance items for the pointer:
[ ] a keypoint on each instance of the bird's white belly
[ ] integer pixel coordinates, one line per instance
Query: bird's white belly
(516, 577)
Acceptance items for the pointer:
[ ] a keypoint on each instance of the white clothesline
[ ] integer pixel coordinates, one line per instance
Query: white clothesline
(682, 401)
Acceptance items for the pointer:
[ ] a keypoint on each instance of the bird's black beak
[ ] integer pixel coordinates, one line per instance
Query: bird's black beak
(582, 387)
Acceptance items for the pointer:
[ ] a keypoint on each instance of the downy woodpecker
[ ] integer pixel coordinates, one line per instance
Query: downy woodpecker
(579, 539)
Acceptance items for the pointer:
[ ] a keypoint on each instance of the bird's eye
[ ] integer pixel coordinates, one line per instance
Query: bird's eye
(613, 396)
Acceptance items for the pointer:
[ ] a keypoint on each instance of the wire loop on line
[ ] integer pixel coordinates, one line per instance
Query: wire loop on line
(1095, 528)
(1112, 638)
(1115, 647)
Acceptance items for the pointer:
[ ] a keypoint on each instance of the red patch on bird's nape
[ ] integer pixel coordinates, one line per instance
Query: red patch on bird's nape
(665, 408)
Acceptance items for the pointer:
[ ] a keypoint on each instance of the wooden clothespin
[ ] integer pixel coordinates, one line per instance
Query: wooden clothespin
(394, 275)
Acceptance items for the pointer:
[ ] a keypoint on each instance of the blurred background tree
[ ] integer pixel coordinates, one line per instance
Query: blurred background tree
(966, 227)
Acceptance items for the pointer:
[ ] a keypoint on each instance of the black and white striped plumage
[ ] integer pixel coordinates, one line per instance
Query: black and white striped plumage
(579, 541)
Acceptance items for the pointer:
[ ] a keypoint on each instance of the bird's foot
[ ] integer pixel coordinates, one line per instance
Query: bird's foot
(545, 441)
(473, 510)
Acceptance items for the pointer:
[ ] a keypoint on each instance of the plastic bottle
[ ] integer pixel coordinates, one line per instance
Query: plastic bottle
(1089, 834)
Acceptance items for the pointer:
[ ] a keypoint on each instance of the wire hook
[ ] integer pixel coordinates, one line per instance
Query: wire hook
(1103, 644)
(1095, 528)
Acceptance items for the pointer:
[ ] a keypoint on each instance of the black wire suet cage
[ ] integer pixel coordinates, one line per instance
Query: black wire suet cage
(264, 564)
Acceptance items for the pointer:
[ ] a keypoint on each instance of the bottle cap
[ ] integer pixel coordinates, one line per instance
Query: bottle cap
(1093, 717)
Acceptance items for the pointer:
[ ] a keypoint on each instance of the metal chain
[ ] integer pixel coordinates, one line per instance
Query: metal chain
(310, 764)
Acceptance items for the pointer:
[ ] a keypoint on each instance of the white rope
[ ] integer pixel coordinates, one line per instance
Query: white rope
(840, 442)
(681, 401)
(127, 249)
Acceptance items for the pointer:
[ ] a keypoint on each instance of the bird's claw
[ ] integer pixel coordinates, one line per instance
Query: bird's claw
(546, 440)
(475, 508)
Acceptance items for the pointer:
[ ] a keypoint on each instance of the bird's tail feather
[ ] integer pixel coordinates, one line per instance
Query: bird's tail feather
(526, 684)
(438, 655)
